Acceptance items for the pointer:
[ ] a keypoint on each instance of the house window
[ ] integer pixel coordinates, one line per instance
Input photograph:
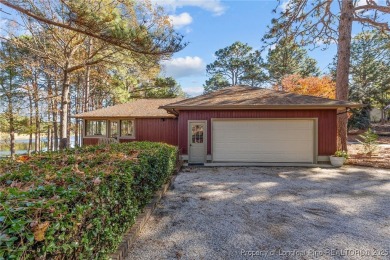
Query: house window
(114, 129)
(197, 134)
(96, 128)
(127, 128)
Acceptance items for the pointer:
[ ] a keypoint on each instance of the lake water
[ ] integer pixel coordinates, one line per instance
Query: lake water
(22, 145)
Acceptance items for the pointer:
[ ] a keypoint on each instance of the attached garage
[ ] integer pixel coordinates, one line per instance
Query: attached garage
(264, 140)
(248, 126)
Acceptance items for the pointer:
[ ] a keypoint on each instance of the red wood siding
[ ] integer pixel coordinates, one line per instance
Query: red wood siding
(157, 130)
(150, 129)
(327, 125)
(90, 141)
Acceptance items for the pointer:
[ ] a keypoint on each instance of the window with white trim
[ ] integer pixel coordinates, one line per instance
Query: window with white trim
(96, 128)
(127, 128)
(114, 129)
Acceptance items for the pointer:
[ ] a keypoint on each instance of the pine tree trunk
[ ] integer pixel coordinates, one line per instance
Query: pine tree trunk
(77, 110)
(30, 122)
(11, 126)
(383, 110)
(49, 114)
(37, 119)
(87, 79)
(12, 136)
(55, 115)
(49, 139)
(343, 63)
(64, 111)
(69, 125)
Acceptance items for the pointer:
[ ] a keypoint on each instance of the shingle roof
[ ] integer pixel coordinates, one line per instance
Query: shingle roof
(245, 97)
(138, 108)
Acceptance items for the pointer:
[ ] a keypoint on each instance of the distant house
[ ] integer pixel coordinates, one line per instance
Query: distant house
(236, 124)
(375, 115)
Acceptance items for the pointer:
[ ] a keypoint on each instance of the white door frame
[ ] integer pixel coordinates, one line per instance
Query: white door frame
(189, 135)
(315, 131)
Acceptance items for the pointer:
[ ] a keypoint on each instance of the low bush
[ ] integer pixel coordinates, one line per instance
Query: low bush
(369, 142)
(77, 204)
(341, 153)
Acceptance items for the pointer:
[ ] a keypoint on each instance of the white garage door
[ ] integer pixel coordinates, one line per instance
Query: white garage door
(263, 140)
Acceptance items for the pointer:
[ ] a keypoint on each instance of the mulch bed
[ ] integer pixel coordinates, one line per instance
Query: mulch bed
(378, 127)
(382, 130)
(381, 139)
(380, 159)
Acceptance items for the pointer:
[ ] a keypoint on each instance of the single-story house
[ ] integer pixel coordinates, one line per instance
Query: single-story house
(235, 124)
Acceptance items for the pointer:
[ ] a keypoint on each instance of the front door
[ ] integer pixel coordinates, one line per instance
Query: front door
(197, 135)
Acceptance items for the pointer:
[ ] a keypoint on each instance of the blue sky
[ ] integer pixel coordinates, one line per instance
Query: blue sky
(209, 25)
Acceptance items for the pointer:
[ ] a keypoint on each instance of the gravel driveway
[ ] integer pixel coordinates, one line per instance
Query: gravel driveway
(274, 212)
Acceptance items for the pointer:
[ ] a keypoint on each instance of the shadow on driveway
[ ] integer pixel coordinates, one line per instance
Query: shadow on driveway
(277, 212)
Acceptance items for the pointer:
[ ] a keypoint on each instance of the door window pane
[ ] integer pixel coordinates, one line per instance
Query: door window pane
(197, 134)
(96, 127)
(127, 128)
(114, 125)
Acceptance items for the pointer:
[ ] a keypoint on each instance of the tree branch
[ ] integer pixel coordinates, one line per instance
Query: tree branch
(384, 25)
(381, 8)
(153, 51)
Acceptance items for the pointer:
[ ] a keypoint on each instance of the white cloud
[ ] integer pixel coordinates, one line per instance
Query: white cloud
(193, 91)
(214, 6)
(181, 20)
(361, 2)
(364, 2)
(188, 30)
(284, 5)
(184, 67)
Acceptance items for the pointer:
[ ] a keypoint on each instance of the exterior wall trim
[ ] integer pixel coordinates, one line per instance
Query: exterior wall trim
(184, 157)
(323, 158)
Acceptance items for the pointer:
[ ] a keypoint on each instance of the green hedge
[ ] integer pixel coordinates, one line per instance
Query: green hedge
(78, 203)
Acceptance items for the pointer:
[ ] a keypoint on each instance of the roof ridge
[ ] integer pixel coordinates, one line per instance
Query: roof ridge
(311, 96)
(136, 107)
(244, 95)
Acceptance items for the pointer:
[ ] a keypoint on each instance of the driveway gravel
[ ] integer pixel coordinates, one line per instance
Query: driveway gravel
(271, 212)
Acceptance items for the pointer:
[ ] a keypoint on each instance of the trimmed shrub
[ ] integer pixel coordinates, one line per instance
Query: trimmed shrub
(77, 204)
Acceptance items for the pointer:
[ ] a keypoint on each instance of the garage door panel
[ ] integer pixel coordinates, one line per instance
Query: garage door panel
(263, 140)
(250, 157)
(255, 149)
(269, 142)
(259, 135)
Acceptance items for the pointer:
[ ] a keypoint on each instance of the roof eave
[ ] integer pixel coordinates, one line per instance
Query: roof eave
(119, 117)
(240, 107)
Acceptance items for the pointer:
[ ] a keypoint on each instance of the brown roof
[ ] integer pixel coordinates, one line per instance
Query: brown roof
(138, 108)
(245, 97)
